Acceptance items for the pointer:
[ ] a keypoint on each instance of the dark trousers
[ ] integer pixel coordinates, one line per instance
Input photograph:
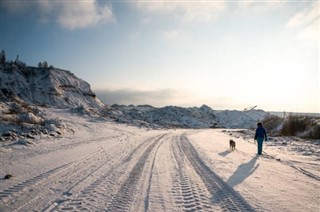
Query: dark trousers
(260, 144)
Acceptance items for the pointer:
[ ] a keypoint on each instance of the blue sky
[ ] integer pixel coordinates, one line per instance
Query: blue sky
(226, 54)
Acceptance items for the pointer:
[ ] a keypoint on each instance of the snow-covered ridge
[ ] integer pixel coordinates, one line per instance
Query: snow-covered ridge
(179, 117)
(51, 87)
(57, 88)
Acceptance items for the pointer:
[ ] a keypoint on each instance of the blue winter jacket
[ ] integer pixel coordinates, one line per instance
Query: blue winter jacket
(260, 133)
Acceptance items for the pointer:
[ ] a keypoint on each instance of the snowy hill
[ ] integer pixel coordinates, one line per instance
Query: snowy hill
(57, 88)
(193, 117)
(23, 89)
(26, 92)
(45, 87)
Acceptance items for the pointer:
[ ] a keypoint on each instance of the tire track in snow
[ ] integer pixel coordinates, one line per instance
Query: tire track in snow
(31, 192)
(188, 192)
(126, 194)
(223, 195)
(54, 183)
(8, 193)
(99, 194)
(147, 198)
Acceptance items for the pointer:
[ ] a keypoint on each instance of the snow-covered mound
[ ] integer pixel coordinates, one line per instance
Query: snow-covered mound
(46, 87)
(169, 116)
(240, 119)
(193, 117)
(25, 93)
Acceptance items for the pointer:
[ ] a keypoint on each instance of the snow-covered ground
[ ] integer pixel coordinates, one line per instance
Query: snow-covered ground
(104, 166)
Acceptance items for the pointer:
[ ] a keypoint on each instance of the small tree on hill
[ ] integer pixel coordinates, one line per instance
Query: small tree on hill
(45, 64)
(19, 63)
(2, 57)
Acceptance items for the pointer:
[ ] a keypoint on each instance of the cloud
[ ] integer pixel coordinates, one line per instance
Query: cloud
(307, 21)
(187, 11)
(68, 14)
(311, 32)
(137, 97)
(260, 6)
(163, 97)
(15, 6)
(305, 17)
(172, 34)
(84, 14)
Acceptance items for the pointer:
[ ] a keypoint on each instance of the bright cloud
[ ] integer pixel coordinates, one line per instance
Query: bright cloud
(83, 14)
(308, 20)
(68, 14)
(260, 6)
(197, 11)
(172, 34)
(305, 17)
(311, 32)
(154, 97)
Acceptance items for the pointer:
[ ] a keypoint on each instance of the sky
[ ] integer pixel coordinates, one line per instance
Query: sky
(225, 54)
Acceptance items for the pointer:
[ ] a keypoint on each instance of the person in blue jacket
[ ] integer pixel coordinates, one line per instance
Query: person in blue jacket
(260, 136)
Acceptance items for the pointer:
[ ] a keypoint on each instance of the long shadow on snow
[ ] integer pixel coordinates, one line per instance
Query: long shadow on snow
(243, 171)
(223, 194)
(234, 202)
(225, 153)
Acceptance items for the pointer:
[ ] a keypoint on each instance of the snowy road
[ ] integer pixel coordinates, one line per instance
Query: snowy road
(163, 172)
(112, 167)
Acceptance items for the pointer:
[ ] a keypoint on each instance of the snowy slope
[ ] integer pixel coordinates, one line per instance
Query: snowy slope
(24, 91)
(46, 87)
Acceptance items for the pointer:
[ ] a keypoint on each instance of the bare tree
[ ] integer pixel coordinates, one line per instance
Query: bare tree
(45, 64)
(2, 57)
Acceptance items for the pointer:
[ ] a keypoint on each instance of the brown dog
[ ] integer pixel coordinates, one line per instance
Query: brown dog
(232, 145)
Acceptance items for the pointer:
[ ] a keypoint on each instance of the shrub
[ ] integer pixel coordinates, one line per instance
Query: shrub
(272, 123)
(2, 57)
(293, 125)
(315, 132)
